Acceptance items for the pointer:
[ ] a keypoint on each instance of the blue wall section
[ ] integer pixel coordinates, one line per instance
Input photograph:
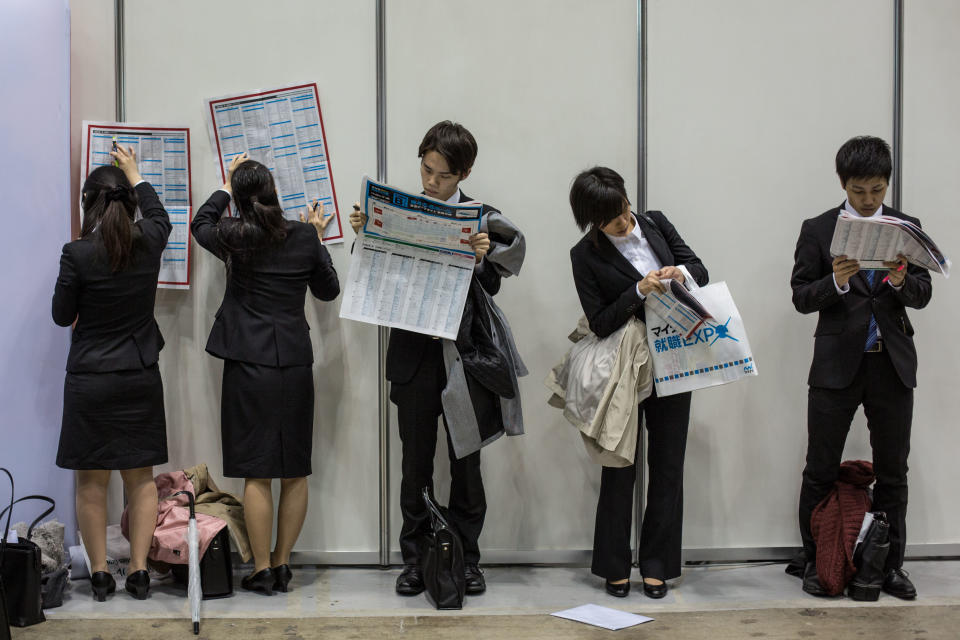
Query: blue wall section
(35, 188)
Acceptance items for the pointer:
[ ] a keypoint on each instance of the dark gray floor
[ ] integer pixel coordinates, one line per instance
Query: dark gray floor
(322, 592)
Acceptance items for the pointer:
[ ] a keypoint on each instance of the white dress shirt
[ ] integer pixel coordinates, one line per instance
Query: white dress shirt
(635, 248)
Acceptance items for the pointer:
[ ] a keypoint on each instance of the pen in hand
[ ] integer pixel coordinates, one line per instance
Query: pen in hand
(900, 268)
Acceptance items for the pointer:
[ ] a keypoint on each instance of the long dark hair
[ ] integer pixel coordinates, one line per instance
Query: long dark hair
(260, 224)
(109, 205)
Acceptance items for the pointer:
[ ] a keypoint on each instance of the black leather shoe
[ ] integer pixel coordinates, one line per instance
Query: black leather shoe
(655, 591)
(138, 584)
(410, 581)
(619, 590)
(103, 584)
(898, 585)
(259, 581)
(281, 577)
(811, 581)
(797, 564)
(473, 577)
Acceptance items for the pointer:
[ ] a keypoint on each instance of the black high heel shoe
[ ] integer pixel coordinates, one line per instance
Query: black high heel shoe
(620, 590)
(138, 584)
(655, 591)
(260, 581)
(103, 584)
(281, 577)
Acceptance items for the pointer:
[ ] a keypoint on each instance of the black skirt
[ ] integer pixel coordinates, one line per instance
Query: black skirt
(266, 420)
(113, 420)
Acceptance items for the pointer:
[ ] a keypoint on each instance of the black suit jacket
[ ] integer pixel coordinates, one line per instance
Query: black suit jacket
(261, 319)
(607, 282)
(406, 348)
(842, 328)
(115, 328)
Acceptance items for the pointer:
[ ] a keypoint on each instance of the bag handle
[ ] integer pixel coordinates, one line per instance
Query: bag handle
(435, 515)
(6, 531)
(9, 512)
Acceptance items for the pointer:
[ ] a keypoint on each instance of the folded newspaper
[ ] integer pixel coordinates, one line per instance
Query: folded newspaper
(872, 241)
(678, 308)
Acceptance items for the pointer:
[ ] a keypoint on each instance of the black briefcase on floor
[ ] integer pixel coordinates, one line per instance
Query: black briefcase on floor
(216, 568)
(441, 560)
(4, 621)
(20, 569)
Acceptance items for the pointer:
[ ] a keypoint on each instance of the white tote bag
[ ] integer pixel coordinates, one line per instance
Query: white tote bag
(716, 353)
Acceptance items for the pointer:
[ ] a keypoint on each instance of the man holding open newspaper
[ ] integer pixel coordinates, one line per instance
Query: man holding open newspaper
(863, 353)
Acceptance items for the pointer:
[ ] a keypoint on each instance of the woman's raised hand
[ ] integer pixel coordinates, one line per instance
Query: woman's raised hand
(317, 218)
(127, 161)
(236, 162)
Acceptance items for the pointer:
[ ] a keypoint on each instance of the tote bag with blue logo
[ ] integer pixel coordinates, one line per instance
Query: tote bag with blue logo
(715, 353)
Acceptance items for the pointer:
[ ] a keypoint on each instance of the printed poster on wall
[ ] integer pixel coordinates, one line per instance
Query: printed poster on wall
(282, 129)
(163, 157)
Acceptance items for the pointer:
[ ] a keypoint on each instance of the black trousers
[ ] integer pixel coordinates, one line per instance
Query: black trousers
(418, 407)
(666, 420)
(888, 405)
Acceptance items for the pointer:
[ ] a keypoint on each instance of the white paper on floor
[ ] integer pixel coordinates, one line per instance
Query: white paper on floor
(605, 617)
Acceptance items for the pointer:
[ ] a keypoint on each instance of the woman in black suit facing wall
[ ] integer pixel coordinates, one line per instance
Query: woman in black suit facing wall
(113, 415)
(261, 334)
(621, 259)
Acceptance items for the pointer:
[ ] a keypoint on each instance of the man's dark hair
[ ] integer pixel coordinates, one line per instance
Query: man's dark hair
(864, 157)
(596, 197)
(453, 142)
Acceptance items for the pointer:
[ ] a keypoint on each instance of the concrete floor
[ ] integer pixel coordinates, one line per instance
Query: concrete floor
(719, 601)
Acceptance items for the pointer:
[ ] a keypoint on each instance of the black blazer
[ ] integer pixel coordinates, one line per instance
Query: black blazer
(405, 349)
(115, 328)
(842, 328)
(607, 282)
(261, 319)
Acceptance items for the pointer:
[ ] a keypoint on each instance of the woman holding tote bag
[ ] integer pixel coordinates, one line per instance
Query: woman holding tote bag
(622, 259)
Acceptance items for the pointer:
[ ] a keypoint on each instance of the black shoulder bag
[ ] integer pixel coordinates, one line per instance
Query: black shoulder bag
(4, 618)
(441, 560)
(20, 569)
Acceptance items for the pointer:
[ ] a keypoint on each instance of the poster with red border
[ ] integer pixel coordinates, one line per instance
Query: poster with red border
(163, 156)
(282, 129)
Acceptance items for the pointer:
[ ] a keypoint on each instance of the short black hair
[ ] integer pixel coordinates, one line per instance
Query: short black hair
(597, 196)
(454, 142)
(864, 157)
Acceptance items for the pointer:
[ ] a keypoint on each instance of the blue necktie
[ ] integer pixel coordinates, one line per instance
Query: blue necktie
(872, 334)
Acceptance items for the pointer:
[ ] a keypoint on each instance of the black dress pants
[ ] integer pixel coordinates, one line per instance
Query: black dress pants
(418, 407)
(888, 405)
(666, 420)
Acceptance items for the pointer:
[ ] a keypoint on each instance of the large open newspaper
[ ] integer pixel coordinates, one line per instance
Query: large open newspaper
(871, 241)
(412, 262)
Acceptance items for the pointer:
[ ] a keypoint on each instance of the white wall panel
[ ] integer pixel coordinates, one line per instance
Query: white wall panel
(931, 164)
(749, 101)
(92, 97)
(548, 88)
(178, 54)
